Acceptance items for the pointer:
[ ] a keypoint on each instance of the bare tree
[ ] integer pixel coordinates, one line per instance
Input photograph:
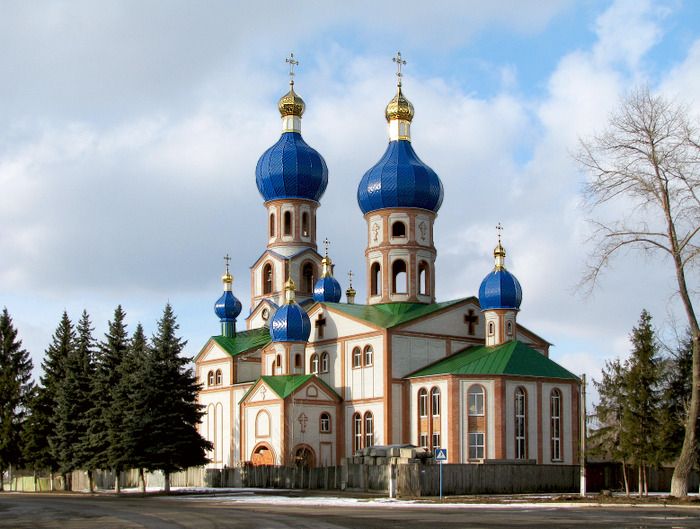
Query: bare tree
(645, 168)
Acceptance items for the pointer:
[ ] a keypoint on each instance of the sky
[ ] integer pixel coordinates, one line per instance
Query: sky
(130, 132)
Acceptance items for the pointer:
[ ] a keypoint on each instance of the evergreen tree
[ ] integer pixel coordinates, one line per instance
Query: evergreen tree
(54, 366)
(15, 392)
(37, 429)
(172, 413)
(641, 413)
(74, 402)
(103, 418)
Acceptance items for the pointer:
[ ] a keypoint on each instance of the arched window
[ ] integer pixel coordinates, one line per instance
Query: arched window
(278, 361)
(308, 275)
(267, 278)
(369, 429)
(219, 377)
(475, 401)
(324, 362)
(399, 278)
(375, 279)
(357, 431)
(305, 224)
(509, 328)
(423, 402)
(555, 428)
(423, 279)
(262, 424)
(272, 224)
(287, 220)
(492, 328)
(297, 360)
(314, 363)
(325, 426)
(435, 401)
(520, 423)
(398, 229)
(210, 378)
(369, 355)
(356, 357)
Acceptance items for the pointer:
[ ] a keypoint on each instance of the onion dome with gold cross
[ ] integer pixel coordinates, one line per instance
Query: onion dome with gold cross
(500, 289)
(400, 179)
(290, 322)
(327, 287)
(227, 307)
(291, 169)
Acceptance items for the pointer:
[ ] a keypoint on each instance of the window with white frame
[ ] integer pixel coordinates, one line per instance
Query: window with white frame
(325, 423)
(423, 440)
(520, 423)
(476, 445)
(314, 363)
(357, 431)
(369, 429)
(324, 362)
(356, 357)
(423, 402)
(555, 429)
(475, 400)
(436, 440)
(435, 401)
(369, 355)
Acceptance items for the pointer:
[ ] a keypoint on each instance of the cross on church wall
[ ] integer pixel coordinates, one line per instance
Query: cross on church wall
(303, 419)
(471, 320)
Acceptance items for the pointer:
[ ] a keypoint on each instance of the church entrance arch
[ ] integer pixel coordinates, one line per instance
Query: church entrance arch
(304, 456)
(262, 455)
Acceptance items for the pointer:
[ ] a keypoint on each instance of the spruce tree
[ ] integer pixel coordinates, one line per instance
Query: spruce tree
(103, 418)
(54, 366)
(172, 413)
(641, 412)
(15, 393)
(38, 427)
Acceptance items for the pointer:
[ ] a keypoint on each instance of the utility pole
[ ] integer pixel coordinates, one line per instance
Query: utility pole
(582, 428)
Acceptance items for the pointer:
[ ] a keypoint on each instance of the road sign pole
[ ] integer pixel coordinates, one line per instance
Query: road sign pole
(440, 480)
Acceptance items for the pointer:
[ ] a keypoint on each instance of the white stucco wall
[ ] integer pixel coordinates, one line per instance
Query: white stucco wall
(410, 353)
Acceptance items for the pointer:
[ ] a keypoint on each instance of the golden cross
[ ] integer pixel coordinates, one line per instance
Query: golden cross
(499, 228)
(326, 244)
(292, 63)
(399, 62)
(227, 260)
(350, 274)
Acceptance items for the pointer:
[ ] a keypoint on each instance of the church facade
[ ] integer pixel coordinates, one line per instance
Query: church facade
(312, 380)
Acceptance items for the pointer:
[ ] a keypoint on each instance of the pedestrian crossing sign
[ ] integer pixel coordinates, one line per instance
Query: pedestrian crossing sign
(441, 454)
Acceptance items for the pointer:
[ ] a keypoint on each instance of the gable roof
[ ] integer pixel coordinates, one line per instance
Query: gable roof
(244, 341)
(510, 358)
(285, 385)
(283, 257)
(388, 315)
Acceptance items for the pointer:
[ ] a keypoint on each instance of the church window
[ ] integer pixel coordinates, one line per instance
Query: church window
(324, 362)
(436, 440)
(520, 424)
(369, 429)
(476, 445)
(509, 328)
(272, 224)
(314, 363)
(369, 355)
(210, 378)
(375, 279)
(278, 361)
(297, 360)
(475, 401)
(435, 401)
(492, 328)
(325, 423)
(357, 431)
(423, 440)
(423, 402)
(307, 273)
(305, 224)
(356, 357)
(423, 279)
(267, 278)
(555, 429)
(287, 218)
(219, 377)
(398, 229)
(262, 424)
(399, 281)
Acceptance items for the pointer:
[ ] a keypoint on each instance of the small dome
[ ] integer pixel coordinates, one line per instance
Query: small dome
(227, 308)
(290, 322)
(500, 289)
(290, 104)
(400, 180)
(399, 108)
(291, 169)
(327, 289)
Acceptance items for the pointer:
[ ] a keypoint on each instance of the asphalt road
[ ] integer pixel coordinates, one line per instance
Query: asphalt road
(52, 511)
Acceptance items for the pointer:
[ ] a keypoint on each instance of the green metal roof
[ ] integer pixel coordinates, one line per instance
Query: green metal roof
(510, 358)
(285, 385)
(388, 315)
(244, 341)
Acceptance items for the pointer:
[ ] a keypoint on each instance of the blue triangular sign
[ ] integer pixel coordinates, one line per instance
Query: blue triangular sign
(441, 454)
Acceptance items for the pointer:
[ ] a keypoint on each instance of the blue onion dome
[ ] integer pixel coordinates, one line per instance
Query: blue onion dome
(290, 322)
(327, 287)
(400, 179)
(291, 168)
(227, 307)
(500, 289)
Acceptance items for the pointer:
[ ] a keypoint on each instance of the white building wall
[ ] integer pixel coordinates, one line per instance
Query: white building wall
(490, 411)
(531, 420)
(566, 421)
(410, 353)
(377, 409)
(275, 434)
(364, 382)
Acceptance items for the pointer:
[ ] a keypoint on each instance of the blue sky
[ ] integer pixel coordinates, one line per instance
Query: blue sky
(131, 132)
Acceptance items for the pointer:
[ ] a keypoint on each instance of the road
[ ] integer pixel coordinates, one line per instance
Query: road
(53, 511)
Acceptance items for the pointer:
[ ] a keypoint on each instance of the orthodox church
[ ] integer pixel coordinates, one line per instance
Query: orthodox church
(313, 379)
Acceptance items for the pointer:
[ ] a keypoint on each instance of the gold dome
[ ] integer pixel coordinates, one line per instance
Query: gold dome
(399, 107)
(499, 254)
(227, 278)
(291, 104)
